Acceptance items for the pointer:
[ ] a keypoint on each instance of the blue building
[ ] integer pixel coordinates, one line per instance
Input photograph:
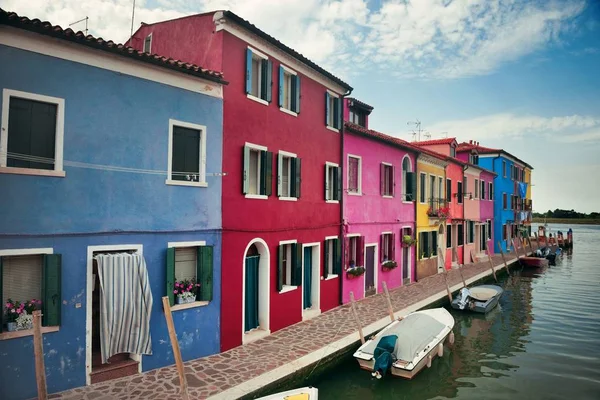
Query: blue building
(509, 204)
(109, 157)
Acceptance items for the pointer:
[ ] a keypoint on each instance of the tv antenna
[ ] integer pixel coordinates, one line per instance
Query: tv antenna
(445, 135)
(427, 135)
(81, 20)
(416, 133)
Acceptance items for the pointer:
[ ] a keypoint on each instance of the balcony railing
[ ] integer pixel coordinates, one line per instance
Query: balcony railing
(438, 208)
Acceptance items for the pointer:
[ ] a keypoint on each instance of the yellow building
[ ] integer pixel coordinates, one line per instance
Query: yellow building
(431, 189)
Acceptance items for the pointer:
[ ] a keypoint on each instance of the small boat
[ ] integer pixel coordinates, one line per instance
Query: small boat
(548, 253)
(406, 346)
(479, 299)
(304, 393)
(533, 262)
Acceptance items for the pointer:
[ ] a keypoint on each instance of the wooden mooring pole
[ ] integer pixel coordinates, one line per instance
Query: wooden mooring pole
(445, 275)
(503, 258)
(455, 254)
(489, 254)
(389, 300)
(355, 313)
(38, 351)
(176, 351)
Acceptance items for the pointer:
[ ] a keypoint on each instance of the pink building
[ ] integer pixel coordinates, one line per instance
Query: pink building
(379, 192)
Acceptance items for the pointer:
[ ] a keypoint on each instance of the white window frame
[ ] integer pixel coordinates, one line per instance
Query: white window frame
(359, 177)
(330, 274)
(177, 245)
(477, 187)
(285, 287)
(404, 180)
(150, 46)
(424, 189)
(202, 157)
(58, 135)
(331, 117)
(385, 236)
(249, 95)
(280, 156)
(292, 73)
(389, 196)
(351, 236)
(329, 184)
(259, 148)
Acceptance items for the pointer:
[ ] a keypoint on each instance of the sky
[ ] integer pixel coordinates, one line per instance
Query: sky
(522, 75)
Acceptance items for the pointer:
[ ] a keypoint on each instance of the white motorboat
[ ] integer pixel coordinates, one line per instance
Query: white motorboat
(408, 345)
(304, 393)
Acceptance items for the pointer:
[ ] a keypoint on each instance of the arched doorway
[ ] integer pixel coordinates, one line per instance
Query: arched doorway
(406, 168)
(255, 299)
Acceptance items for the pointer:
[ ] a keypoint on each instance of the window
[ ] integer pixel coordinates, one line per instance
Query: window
(333, 111)
(504, 201)
(191, 263)
(482, 190)
(512, 202)
(428, 244)
(289, 172)
(409, 181)
(432, 190)
(289, 266)
(289, 90)
(333, 180)
(471, 232)
(32, 274)
(423, 188)
(504, 232)
(476, 188)
(258, 171)
(31, 135)
(449, 190)
(489, 229)
(148, 44)
(512, 174)
(504, 169)
(259, 72)
(452, 151)
(354, 175)
(460, 235)
(459, 194)
(387, 179)
(187, 154)
(357, 117)
(387, 245)
(474, 159)
(332, 257)
(440, 191)
(449, 236)
(491, 191)
(434, 244)
(355, 246)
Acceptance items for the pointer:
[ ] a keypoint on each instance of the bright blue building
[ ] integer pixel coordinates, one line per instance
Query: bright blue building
(104, 150)
(508, 201)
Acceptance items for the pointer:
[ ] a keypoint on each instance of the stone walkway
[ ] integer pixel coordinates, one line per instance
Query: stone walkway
(215, 374)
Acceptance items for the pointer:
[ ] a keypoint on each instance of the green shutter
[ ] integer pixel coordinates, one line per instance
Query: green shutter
(171, 274)
(281, 77)
(326, 260)
(280, 266)
(263, 172)
(338, 183)
(296, 94)
(434, 243)
(246, 164)
(1, 296)
(269, 173)
(248, 71)
(267, 80)
(410, 186)
(51, 297)
(327, 183)
(204, 273)
(336, 113)
(337, 256)
(327, 111)
(297, 264)
(298, 177)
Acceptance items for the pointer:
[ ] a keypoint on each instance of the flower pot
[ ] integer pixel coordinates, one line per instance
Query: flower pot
(180, 299)
(11, 326)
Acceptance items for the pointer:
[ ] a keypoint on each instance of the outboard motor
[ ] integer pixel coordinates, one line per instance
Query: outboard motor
(384, 355)
(463, 298)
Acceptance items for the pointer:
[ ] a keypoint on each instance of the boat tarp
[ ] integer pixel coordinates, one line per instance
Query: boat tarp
(384, 353)
(414, 333)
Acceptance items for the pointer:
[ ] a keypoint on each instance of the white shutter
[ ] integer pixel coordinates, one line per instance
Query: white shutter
(22, 279)
(185, 263)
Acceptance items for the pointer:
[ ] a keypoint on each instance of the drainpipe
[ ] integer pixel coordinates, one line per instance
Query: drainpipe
(495, 205)
(342, 164)
(464, 169)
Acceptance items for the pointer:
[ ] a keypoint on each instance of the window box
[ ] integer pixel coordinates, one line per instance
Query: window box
(438, 213)
(389, 265)
(354, 272)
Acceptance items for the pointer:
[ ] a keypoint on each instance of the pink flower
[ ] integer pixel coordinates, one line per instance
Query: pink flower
(9, 305)
(175, 291)
(197, 285)
(176, 284)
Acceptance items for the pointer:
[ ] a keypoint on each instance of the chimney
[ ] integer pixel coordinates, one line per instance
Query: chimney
(470, 141)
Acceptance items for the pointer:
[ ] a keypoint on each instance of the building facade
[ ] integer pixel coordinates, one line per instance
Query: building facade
(95, 151)
(282, 159)
(379, 209)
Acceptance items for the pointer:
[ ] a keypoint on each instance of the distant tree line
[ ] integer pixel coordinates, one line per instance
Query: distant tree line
(567, 214)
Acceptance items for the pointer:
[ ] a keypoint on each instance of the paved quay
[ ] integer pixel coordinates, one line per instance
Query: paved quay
(245, 369)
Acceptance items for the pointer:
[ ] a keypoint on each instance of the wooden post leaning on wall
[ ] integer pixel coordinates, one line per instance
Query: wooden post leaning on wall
(38, 352)
(355, 313)
(176, 351)
(455, 254)
(445, 275)
(389, 300)
(503, 258)
(489, 254)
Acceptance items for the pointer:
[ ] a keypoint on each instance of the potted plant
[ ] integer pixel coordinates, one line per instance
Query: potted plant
(13, 310)
(186, 291)
(354, 272)
(408, 241)
(389, 265)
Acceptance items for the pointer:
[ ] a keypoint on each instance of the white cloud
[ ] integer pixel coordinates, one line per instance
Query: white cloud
(408, 38)
(574, 128)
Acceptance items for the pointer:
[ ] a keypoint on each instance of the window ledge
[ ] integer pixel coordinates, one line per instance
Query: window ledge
(185, 183)
(333, 129)
(254, 335)
(257, 99)
(32, 171)
(287, 288)
(288, 198)
(387, 197)
(27, 332)
(332, 201)
(354, 194)
(257, 196)
(407, 202)
(330, 276)
(285, 110)
(195, 304)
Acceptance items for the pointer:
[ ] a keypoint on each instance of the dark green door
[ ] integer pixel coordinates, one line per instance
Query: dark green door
(251, 298)
(307, 277)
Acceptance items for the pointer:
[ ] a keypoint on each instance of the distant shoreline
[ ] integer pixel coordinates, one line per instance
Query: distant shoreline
(579, 221)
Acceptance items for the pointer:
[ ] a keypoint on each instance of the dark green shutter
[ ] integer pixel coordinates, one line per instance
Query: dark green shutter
(340, 117)
(281, 78)
(267, 76)
(434, 243)
(297, 264)
(248, 71)
(268, 173)
(280, 266)
(411, 184)
(448, 190)
(171, 274)
(296, 94)
(337, 256)
(204, 273)
(327, 111)
(338, 183)
(246, 171)
(326, 260)
(51, 297)
(336, 113)
(1, 295)
(297, 177)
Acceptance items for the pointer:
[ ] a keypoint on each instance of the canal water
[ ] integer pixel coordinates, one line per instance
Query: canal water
(542, 342)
